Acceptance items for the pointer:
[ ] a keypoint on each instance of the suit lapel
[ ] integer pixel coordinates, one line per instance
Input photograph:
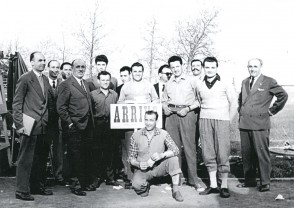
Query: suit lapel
(254, 88)
(36, 85)
(78, 86)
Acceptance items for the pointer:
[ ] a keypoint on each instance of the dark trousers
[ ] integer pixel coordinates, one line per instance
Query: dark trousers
(31, 164)
(104, 150)
(125, 145)
(80, 157)
(255, 153)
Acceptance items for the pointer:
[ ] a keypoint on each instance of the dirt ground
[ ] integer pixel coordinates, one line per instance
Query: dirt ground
(159, 196)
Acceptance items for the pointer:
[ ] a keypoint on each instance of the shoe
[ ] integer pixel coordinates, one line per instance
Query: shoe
(224, 193)
(112, 183)
(60, 182)
(128, 185)
(24, 196)
(246, 185)
(199, 188)
(146, 193)
(42, 191)
(98, 182)
(209, 190)
(264, 188)
(178, 196)
(79, 192)
(89, 188)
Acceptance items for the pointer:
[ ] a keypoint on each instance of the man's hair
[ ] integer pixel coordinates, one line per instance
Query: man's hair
(125, 68)
(101, 58)
(258, 59)
(103, 73)
(210, 59)
(162, 67)
(32, 56)
(151, 112)
(63, 64)
(175, 58)
(137, 64)
(51, 61)
(194, 60)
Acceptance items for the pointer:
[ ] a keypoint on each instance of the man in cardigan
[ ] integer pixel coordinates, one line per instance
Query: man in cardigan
(218, 107)
(149, 158)
(254, 109)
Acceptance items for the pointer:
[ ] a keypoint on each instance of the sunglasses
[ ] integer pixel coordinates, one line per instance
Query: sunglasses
(168, 74)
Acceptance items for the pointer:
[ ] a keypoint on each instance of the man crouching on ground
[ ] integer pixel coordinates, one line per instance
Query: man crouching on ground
(149, 158)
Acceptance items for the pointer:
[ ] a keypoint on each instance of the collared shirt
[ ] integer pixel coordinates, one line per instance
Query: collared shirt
(136, 145)
(255, 79)
(138, 92)
(78, 80)
(51, 82)
(181, 92)
(38, 74)
(161, 86)
(210, 84)
(101, 102)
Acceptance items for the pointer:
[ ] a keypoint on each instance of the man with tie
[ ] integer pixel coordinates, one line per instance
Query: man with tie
(75, 109)
(54, 127)
(164, 74)
(31, 98)
(255, 110)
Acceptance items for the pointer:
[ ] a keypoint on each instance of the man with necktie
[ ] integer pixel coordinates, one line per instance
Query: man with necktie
(255, 109)
(31, 98)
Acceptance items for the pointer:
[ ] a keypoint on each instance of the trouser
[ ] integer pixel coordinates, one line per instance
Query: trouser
(255, 153)
(167, 166)
(215, 141)
(104, 150)
(57, 147)
(31, 164)
(80, 156)
(182, 131)
(125, 144)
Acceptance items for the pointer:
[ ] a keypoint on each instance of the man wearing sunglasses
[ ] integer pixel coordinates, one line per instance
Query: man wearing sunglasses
(164, 74)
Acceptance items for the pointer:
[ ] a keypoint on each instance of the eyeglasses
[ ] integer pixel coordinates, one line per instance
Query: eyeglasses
(168, 74)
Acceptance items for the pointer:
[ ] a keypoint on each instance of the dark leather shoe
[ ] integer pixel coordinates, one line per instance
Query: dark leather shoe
(128, 185)
(146, 193)
(224, 193)
(42, 191)
(89, 188)
(24, 196)
(79, 192)
(112, 183)
(61, 182)
(178, 196)
(246, 185)
(98, 182)
(264, 188)
(209, 190)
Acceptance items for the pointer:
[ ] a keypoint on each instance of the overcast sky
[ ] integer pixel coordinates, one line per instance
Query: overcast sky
(247, 29)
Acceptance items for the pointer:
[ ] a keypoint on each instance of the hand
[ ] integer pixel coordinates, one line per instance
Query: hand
(167, 110)
(70, 125)
(183, 112)
(157, 156)
(143, 165)
(21, 130)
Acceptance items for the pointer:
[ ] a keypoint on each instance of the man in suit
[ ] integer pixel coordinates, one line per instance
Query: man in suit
(255, 99)
(101, 62)
(164, 74)
(75, 109)
(54, 127)
(31, 98)
(125, 76)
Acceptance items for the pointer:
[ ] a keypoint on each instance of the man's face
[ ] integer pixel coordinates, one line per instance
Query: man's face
(150, 122)
(38, 62)
(210, 69)
(176, 68)
(137, 73)
(67, 70)
(125, 76)
(104, 81)
(254, 67)
(79, 68)
(54, 69)
(196, 68)
(165, 74)
(101, 66)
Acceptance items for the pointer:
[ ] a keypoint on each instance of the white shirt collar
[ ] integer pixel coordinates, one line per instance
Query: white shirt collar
(38, 74)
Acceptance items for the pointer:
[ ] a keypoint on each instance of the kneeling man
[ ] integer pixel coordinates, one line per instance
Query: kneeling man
(149, 158)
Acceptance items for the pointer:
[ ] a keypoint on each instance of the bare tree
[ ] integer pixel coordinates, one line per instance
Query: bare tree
(90, 35)
(194, 37)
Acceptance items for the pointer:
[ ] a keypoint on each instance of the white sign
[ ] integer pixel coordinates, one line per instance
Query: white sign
(131, 116)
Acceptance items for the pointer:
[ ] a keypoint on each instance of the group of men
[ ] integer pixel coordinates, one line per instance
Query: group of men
(197, 109)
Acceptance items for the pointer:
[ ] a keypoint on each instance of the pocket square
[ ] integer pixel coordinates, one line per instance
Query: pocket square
(259, 89)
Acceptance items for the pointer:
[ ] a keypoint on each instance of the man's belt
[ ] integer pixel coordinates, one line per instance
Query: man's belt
(102, 118)
(177, 106)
